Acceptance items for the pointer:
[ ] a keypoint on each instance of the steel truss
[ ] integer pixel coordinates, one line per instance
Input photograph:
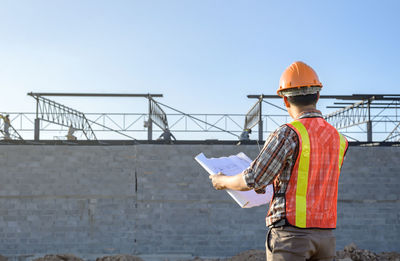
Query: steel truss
(360, 114)
(253, 116)
(157, 115)
(107, 124)
(366, 109)
(353, 115)
(50, 113)
(54, 112)
(394, 135)
(198, 121)
(369, 111)
(187, 127)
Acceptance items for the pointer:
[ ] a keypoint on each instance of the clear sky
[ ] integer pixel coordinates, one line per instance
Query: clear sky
(204, 56)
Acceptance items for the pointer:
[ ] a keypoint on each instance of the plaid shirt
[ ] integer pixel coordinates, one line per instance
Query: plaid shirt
(274, 165)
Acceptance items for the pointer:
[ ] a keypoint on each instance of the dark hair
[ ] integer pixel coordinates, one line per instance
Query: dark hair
(303, 100)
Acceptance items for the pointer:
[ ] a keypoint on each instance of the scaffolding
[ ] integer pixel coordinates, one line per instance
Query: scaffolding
(360, 117)
(361, 110)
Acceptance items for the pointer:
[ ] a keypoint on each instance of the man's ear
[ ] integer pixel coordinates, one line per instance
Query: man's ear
(285, 100)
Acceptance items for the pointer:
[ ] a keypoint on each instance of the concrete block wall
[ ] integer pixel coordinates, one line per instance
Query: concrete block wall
(155, 199)
(183, 213)
(369, 199)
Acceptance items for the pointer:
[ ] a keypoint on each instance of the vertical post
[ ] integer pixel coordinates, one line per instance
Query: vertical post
(260, 123)
(37, 121)
(369, 123)
(149, 123)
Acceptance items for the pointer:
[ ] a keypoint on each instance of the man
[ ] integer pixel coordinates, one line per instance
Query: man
(167, 136)
(245, 135)
(70, 135)
(302, 160)
(7, 125)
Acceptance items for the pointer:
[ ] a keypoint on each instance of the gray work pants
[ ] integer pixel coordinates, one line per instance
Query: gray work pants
(289, 243)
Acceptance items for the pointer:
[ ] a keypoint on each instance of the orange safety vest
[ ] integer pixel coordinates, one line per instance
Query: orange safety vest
(311, 195)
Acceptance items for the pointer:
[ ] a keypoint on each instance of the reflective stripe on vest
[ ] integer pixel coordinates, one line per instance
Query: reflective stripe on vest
(302, 171)
(302, 178)
(343, 147)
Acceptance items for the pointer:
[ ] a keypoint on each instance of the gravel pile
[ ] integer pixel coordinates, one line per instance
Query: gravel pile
(68, 257)
(63, 257)
(249, 255)
(349, 253)
(119, 258)
(352, 253)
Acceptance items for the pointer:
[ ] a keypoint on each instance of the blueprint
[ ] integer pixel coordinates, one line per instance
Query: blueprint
(230, 166)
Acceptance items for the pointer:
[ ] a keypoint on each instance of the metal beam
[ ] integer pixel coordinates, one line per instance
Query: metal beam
(344, 103)
(258, 96)
(260, 124)
(339, 97)
(372, 107)
(40, 94)
(376, 95)
(369, 122)
(375, 103)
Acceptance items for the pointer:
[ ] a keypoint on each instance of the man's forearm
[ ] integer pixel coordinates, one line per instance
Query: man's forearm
(237, 183)
(229, 182)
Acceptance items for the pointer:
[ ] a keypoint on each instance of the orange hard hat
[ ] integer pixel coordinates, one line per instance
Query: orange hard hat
(298, 75)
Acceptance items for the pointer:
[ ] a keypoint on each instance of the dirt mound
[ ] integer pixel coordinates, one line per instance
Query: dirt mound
(119, 258)
(63, 257)
(68, 257)
(352, 253)
(249, 255)
(201, 259)
(349, 253)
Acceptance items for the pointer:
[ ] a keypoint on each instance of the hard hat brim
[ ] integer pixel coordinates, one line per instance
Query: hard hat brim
(297, 91)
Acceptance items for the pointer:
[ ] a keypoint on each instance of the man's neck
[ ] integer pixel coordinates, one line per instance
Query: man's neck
(297, 111)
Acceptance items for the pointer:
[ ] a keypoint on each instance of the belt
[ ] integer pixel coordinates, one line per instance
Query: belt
(280, 223)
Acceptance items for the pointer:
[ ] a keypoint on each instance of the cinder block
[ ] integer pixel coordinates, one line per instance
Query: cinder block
(156, 198)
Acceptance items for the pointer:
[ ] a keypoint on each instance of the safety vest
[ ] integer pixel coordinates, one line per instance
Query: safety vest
(311, 195)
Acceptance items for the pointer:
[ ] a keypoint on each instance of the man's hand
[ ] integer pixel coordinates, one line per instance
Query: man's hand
(218, 181)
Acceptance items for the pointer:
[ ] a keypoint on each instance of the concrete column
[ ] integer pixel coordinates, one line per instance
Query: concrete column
(37, 129)
(150, 129)
(369, 123)
(260, 123)
(149, 123)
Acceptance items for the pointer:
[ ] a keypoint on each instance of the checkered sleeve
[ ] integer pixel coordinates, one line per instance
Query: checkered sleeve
(273, 158)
